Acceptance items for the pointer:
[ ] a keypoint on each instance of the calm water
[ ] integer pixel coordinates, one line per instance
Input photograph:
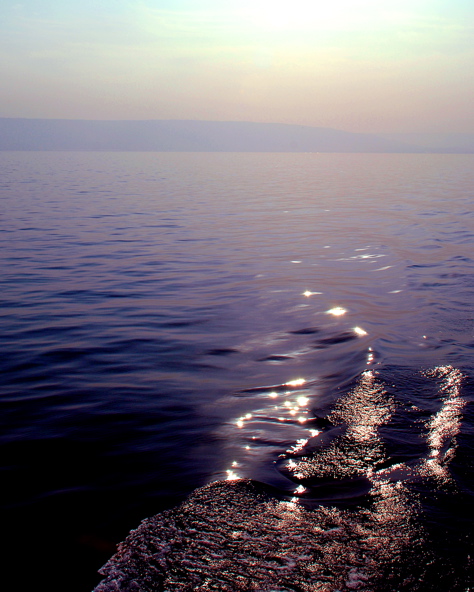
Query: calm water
(169, 320)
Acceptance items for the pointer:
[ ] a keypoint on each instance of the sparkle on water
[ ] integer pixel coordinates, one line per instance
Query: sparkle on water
(337, 311)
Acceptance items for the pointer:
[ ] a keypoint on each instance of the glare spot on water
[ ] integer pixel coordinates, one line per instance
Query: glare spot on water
(359, 331)
(303, 401)
(337, 311)
(231, 475)
(240, 422)
(308, 293)
(296, 382)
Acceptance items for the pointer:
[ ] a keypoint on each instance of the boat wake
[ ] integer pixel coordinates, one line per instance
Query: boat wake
(354, 519)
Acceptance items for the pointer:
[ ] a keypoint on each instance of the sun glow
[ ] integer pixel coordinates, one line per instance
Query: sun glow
(299, 14)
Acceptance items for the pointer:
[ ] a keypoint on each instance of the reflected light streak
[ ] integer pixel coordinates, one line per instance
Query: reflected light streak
(308, 293)
(298, 446)
(337, 311)
(445, 425)
(296, 382)
(358, 448)
(370, 357)
(367, 256)
(360, 331)
(287, 407)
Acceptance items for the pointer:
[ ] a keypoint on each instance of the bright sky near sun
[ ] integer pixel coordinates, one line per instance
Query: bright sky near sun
(361, 65)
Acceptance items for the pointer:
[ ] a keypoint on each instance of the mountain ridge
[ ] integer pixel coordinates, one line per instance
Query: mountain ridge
(174, 135)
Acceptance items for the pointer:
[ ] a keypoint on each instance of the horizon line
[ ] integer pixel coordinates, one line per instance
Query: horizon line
(302, 125)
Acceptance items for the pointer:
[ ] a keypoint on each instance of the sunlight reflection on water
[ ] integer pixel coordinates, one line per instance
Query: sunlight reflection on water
(152, 301)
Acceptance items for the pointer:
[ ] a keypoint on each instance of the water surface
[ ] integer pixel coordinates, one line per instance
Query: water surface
(173, 319)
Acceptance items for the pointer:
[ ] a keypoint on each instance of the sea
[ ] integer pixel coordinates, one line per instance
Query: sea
(300, 321)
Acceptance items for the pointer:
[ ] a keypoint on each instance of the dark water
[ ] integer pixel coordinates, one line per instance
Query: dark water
(304, 320)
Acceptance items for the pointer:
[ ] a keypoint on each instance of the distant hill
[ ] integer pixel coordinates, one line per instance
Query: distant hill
(193, 136)
(454, 143)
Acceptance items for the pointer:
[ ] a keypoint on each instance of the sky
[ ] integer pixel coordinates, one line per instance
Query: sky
(361, 65)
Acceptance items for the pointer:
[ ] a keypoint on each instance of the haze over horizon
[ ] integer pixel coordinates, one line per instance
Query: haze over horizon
(360, 66)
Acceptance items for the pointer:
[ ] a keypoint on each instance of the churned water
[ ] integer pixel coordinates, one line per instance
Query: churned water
(302, 320)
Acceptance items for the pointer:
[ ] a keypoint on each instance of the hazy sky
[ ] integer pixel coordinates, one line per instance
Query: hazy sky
(368, 65)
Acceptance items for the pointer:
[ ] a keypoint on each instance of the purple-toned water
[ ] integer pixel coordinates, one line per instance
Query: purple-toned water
(169, 320)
